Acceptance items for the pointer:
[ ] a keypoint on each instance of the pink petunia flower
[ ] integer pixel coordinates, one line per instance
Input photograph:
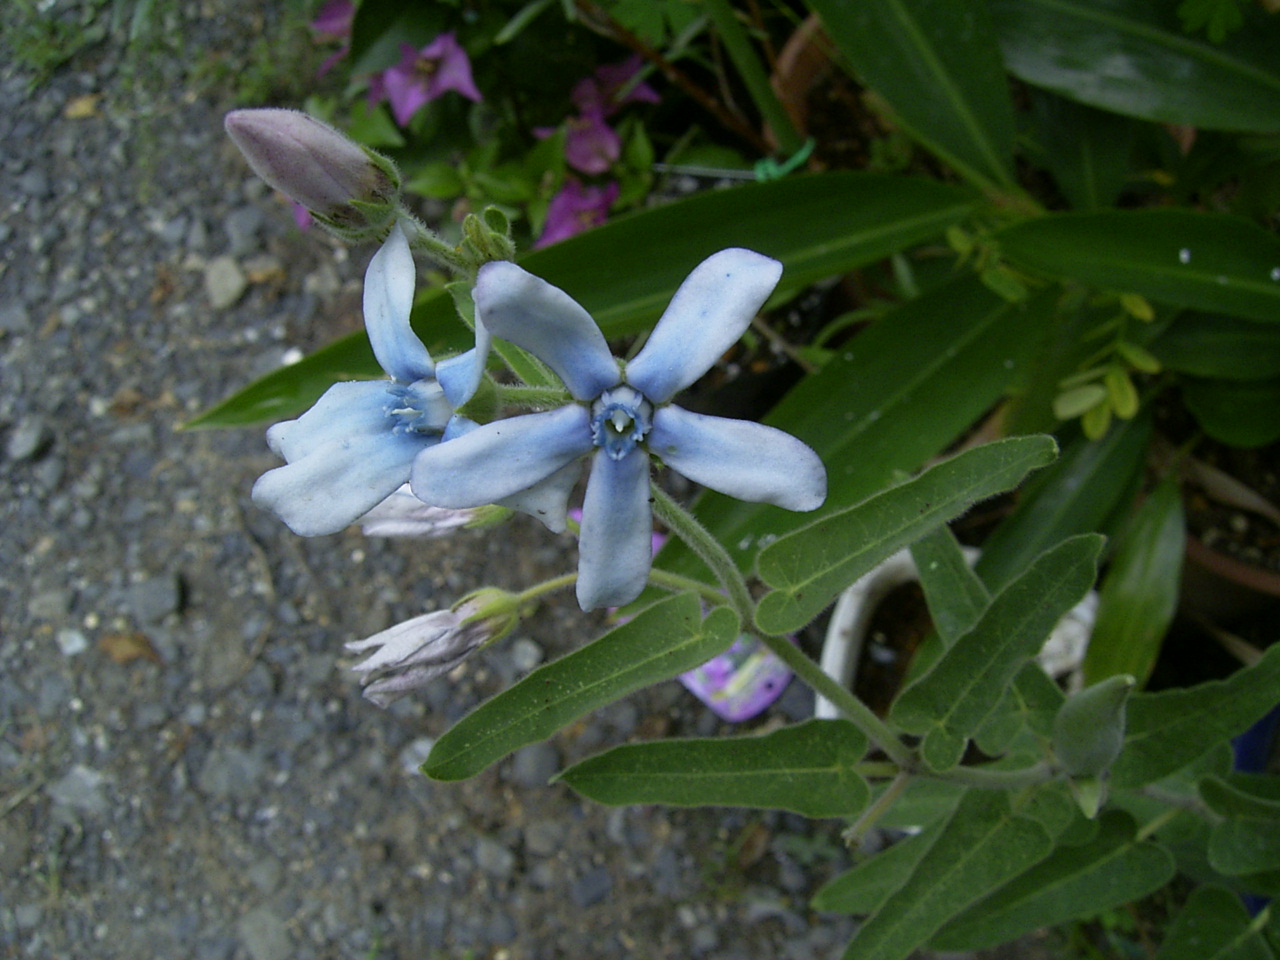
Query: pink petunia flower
(423, 75)
(576, 208)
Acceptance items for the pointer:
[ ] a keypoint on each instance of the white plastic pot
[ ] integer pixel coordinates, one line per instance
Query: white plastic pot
(1061, 656)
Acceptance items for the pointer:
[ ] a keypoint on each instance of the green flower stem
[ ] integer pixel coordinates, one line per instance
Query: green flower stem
(533, 397)
(709, 550)
(659, 578)
(562, 582)
(678, 584)
(714, 555)
(426, 240)
(862, 716)
(871, 816)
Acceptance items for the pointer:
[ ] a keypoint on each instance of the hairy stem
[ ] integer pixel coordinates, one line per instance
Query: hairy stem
(714, 555)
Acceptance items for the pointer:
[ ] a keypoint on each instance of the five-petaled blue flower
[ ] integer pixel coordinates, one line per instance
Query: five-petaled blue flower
(623, 414)
(356, 446)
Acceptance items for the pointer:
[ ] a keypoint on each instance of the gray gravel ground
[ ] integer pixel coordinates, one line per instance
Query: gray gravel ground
(186, 766)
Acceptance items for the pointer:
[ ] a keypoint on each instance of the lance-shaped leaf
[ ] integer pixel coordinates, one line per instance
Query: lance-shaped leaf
(1189, 259)
(1242, 414)
(1208, 345)
(1076, 495)
(955, 594)
(1140, 593)
(1134, 57)
(1239, 847)
(864, 889)
(937, 64)
(1214, 925)
(896, 395)
(1029, 704)
(1252, 796)
(1088, 151)
(949, 703)
(664, 640)
(816, 225)
(983, 845)
(1170, 729)
(809, 769)
(809, 567)
(1248, 840)
(1074, 882)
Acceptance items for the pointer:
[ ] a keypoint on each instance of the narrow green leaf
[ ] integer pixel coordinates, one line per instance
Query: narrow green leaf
(1029, 704)
(1208, 345)
(1073, 883)
(1214, 925)
(662, 641)
(1076, 495)
(895, 395)
(1240, 847)
(1189, 259)
(1250, 796)
(983, 846)
(1242, 413)
(937, 63)
(1133, 57)
(1140, 593)
(625, 272)
(863, 889)
(808, 769)
(809, 567)
(1088, 151)
(955, 595)
(1170, 729)
(966, 684)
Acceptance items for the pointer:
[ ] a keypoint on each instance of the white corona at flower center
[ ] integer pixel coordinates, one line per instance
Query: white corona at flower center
(620, 418)
(418, 407)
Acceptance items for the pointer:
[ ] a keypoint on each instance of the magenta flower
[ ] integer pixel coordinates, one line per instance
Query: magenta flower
(591, 146)
(333, 22)
(576, 208)
(423, 75)
(601, 90)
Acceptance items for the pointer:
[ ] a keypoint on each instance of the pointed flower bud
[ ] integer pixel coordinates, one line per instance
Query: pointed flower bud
(348, 188)
(404, 515)
(410, 655)
(1088, 731)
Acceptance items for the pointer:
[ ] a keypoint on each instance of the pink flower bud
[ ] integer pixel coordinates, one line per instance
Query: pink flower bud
(310, 162)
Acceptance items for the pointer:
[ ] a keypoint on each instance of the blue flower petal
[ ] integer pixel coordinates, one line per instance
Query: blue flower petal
(388, 300)
(615, 548)
(548, 501)
(710, 311)
(742, 459)
(502, 458)
(515, 305)
(460, 376)
(345, 411)
(338, 482)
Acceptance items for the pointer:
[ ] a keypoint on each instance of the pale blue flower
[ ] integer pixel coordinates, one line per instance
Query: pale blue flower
(355, 447)
(622, 415)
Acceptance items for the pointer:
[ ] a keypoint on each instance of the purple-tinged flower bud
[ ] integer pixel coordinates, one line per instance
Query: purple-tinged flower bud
(410, 655)
(344, 185)
(404, 515)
